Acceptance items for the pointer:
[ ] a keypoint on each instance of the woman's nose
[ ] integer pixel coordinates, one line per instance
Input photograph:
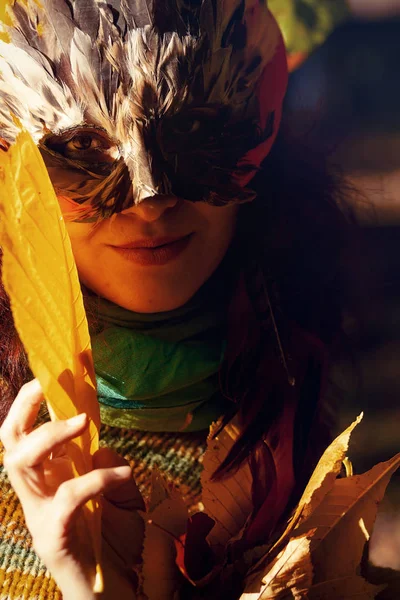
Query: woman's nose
(153, 207)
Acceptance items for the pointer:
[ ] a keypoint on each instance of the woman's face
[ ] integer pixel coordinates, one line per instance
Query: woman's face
(153, 257)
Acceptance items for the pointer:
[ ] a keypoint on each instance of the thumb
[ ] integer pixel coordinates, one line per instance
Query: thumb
(126, 495)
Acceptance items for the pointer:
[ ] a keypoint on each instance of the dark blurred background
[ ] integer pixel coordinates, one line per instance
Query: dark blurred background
(346, 97)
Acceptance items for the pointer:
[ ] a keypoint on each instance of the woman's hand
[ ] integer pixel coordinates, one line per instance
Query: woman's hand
(52, 499)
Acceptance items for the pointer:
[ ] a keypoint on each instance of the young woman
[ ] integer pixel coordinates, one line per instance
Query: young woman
(209, 259)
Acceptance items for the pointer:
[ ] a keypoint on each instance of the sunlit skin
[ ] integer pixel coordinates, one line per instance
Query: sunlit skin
(153, 288)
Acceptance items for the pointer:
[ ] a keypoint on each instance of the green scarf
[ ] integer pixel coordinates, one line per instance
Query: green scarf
(159, 372)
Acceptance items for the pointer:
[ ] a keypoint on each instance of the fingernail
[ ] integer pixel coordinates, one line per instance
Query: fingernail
(77, 420)
(35, 386)
(124, 472)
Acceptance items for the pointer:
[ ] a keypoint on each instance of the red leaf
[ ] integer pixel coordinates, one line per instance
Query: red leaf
(194, 556)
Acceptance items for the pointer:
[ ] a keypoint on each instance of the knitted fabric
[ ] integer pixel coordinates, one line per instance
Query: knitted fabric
(23, 576)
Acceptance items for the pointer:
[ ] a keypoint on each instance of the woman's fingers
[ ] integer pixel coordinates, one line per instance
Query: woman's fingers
(22, 414)
(53, 523)
(33, 449)
(25, 462)
(74, 493)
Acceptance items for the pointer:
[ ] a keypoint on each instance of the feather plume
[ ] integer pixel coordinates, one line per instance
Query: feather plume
(87, 17)
(148, 55)
(58, 28)
(139, 71)
(137, 13)
(29, 92)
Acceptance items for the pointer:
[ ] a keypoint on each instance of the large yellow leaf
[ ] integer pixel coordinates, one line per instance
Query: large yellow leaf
(41, 280)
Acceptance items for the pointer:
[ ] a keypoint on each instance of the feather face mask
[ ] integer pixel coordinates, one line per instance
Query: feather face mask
(128, 99)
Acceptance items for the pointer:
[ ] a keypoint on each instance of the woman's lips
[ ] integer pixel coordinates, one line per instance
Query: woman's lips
(154, 251)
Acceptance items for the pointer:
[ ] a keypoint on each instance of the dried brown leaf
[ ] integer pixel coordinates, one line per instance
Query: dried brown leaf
(159, 490)
(290, 574)
(325, 473)
(344, 521)
(227, 501)
(164, 524)
(321, 481)
(331, 541)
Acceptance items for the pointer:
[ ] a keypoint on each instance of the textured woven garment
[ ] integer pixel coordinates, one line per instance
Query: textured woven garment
(23, 576)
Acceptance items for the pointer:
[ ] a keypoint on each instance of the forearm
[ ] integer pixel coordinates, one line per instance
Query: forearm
(75, 582)
(73, 585)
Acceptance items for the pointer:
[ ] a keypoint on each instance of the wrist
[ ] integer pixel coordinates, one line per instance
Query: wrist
(74, 580)
(74, 585)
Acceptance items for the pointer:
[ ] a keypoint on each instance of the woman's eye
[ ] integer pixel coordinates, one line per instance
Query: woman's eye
(83, 142)
(85, 145)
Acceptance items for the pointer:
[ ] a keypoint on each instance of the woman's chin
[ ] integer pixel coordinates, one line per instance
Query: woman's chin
(153, 299)
(150, 305)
